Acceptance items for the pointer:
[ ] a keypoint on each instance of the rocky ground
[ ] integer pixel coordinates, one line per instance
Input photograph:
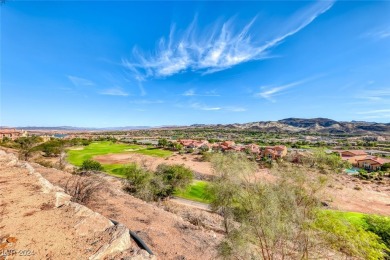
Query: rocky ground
(170, 230)
(348, 193)
(39, 221)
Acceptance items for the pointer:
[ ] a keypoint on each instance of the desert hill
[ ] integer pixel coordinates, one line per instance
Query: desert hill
(312, 125)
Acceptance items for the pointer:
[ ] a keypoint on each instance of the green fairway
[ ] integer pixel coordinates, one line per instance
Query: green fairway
(76, 157)
(196, 192)
(114, 169)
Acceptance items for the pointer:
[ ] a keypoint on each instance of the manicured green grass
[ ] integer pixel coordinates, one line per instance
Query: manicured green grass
(114, 169)
(77, 157)
(154, 152)
(354, 218)
(196, 191)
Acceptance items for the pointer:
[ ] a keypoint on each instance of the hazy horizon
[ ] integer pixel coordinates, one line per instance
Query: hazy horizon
(161, 126)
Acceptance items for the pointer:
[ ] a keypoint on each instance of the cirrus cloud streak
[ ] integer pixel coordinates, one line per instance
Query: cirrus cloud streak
(220, 48)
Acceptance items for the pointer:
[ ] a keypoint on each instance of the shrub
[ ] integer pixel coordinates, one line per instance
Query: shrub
(137, 177)
(352, 240)
(381, 227)
(82, 189)
(385, 167)
(175, 176)
(45, 163)
(206, 157)
(148, 186)
(91, 165)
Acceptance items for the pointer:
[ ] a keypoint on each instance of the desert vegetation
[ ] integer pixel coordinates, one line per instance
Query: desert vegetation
(283, 218)
(158, 185)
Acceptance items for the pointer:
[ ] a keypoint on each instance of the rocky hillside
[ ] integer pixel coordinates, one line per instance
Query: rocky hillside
(313, 125)
(36, 214)
(39, 221)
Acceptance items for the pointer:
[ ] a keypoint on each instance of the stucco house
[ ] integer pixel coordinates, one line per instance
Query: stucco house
(352, 156)
(274, 152)
(11, 133)
(253, 148)
(195, 144)
(372, 163)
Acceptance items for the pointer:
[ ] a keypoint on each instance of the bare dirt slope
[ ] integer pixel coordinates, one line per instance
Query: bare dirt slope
(349, 193)
(38, 221)
(167, 234)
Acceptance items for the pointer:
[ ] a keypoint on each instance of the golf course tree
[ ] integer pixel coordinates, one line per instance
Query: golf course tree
(156, 186)
(174, 146)
(26, 145)
(78, 141)
(282, 218)
(386, 167)
(52, 148)
(326, 162)
(163, 142)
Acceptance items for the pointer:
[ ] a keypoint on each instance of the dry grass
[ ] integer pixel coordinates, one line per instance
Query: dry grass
(83, 188)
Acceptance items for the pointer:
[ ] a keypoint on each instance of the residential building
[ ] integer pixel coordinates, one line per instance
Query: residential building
(195, 144)
(372, 163)
(352, 156)
(11, 133)
(253, 148)
(274, 152)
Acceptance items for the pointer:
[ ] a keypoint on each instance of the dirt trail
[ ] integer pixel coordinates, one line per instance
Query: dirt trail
(190, 203)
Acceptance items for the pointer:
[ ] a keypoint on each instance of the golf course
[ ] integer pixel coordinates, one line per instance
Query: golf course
(77, 155)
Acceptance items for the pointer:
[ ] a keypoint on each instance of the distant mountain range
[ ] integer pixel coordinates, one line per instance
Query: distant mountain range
(288, 125)
(312, 125)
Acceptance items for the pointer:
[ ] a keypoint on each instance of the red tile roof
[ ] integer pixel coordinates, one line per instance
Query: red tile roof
(378, 160)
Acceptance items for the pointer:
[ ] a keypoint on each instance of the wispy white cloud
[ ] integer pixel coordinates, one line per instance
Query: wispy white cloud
(269, 92)
(378, 34)
(217, 49)
(381, 95)
(146, 101)
(114, 92)
(191, 93)
(199, 106)
(378, 111)
(77, 81)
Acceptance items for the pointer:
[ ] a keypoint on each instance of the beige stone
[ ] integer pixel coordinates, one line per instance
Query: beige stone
(62, 199)
(90, 221)
(120, 241)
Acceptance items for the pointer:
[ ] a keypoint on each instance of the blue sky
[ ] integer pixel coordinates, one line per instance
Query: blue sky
(99, 64)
